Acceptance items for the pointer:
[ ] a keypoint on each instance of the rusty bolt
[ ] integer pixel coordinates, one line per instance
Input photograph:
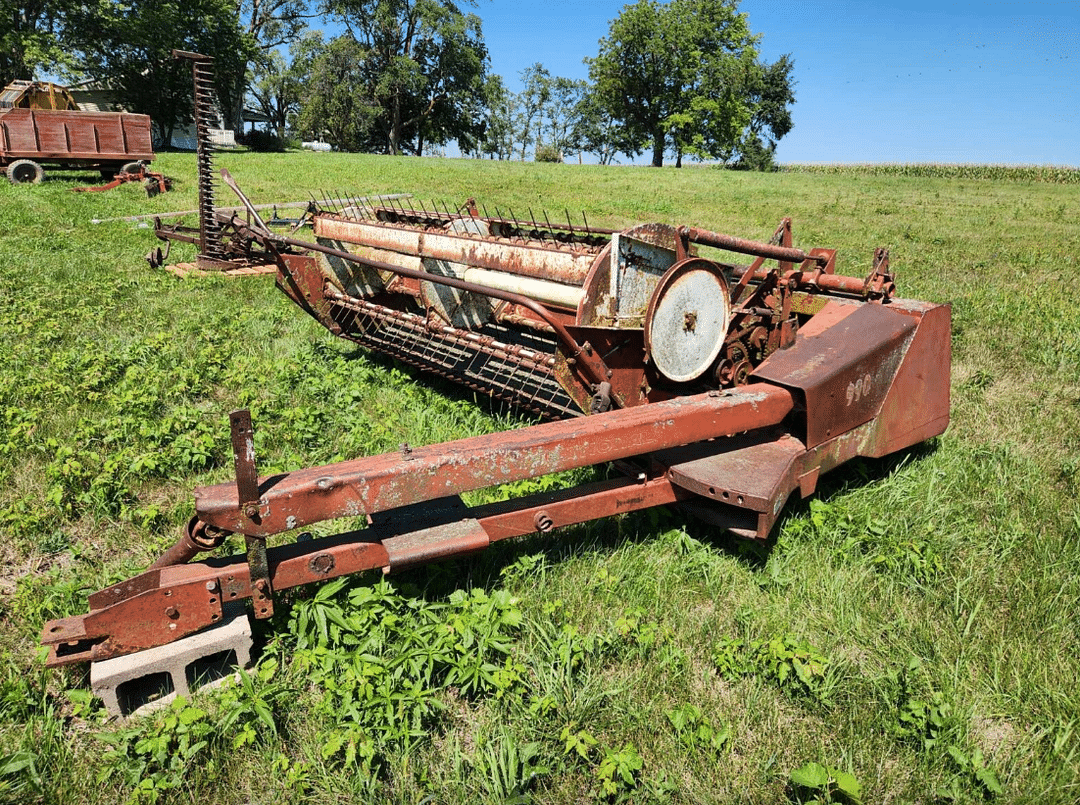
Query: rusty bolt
(173, 613)
(543, 522)
(251, 510)
(260, 585)
(323, 563)
(689, 321)
(211, 586)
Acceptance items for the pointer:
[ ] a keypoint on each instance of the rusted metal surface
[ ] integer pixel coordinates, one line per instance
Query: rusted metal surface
(718, 388)
(843, 373)
(133, 172)
(516, 367)
(197, 538)
(588, 366)
(212, 254)
(163, 605)
(100, 140)
(368, 485)
(746, 452)
(687, 320)
(554, 265)
(750, 475)
(744, 246)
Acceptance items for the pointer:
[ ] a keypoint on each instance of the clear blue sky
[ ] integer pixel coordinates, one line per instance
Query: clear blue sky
(996, 81)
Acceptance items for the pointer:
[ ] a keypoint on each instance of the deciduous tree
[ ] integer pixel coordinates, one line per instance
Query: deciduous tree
(424, 64)
(535, 91)
(771, 92)
(334, 105)
(599, 133)
(548, 112)
(127, 47)
(269, 24)
(678, 76)
(29, 37)
(277, 88)
(500, 110)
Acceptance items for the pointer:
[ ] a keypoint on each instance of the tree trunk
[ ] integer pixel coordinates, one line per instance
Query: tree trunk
(232, 116)
(678, 158)
(395, 127)
(658, 150)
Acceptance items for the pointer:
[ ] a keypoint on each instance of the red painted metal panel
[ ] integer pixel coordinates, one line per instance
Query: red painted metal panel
(845, 371)
(68, 135)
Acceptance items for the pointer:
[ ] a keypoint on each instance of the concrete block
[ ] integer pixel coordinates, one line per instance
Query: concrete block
(139, 683)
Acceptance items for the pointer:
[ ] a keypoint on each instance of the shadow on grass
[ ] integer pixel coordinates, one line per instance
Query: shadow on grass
(607, 536)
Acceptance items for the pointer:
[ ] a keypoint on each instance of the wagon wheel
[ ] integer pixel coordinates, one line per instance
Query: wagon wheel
(25, 171)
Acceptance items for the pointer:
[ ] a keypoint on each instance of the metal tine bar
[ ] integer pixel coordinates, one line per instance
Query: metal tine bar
(551, 231)
(586, 220)
(483, 206)
(514, 218)
(570, 225)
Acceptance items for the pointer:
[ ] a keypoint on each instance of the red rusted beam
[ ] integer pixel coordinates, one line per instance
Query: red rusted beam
(744, 246)
(165, 604)
(378, 483)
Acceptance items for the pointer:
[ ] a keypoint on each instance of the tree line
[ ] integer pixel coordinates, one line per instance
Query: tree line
(679, 79)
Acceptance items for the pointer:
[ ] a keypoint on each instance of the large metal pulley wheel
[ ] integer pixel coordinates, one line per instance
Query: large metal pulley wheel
(687, 319)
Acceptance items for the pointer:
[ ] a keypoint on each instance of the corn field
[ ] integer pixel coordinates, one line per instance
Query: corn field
(1047, 174)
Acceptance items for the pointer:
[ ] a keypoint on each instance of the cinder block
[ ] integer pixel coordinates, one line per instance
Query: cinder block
(138, 683)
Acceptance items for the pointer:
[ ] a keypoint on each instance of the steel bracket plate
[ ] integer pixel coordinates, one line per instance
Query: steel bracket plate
(845, 371)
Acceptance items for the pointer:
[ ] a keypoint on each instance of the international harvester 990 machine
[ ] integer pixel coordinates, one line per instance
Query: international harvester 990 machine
(718, 385)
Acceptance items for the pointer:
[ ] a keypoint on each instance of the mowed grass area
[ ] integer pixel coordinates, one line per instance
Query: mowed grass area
(913, 630)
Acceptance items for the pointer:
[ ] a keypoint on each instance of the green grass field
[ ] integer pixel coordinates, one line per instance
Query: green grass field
(911, 636)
